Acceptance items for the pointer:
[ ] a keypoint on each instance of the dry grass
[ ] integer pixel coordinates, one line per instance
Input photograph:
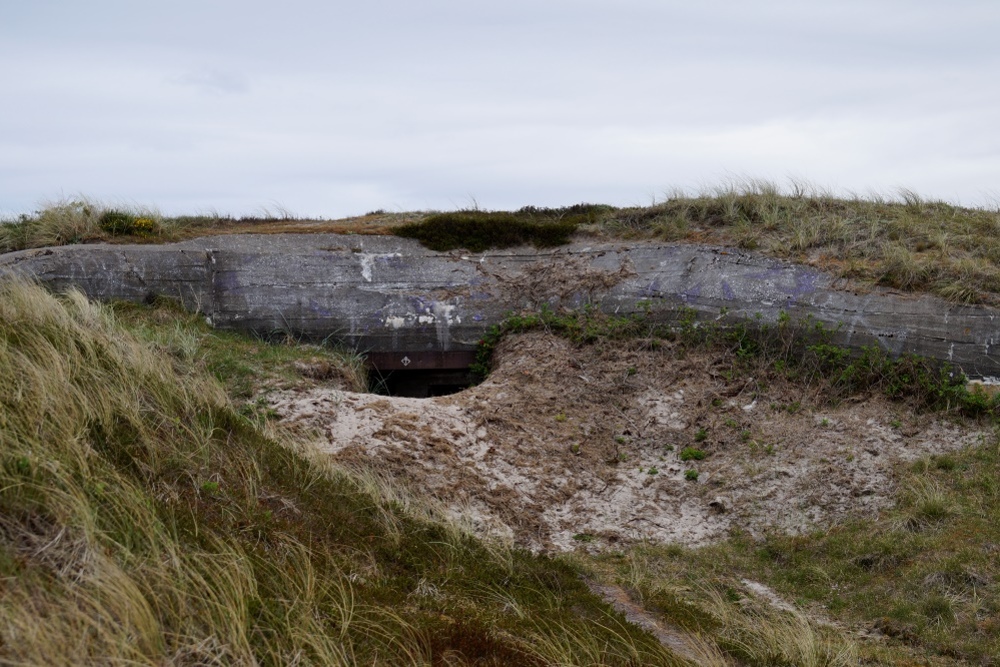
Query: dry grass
(83, 220)
(902, 241)
(759, 634)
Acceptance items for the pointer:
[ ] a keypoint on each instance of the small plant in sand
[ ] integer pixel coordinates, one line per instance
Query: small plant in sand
(692, 454)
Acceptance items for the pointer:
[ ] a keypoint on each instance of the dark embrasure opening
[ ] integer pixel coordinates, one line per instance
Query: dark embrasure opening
(419, 374)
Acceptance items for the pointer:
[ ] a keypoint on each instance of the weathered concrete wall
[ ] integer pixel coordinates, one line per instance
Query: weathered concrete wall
(384, 293)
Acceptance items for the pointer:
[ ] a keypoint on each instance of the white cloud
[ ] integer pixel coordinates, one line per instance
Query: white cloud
(337, 108)
(214, 81)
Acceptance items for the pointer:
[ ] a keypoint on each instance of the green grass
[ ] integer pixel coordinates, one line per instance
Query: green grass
(692, 453)
(144, 520)
(925, 574)
(246, 366)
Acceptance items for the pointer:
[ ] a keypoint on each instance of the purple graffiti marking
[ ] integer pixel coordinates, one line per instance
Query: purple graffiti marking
(774, 273)
(392, 261)
(727, 291)
(227, 281)
(420, 304)
(805, 283)
(315, 307)
(691, 294)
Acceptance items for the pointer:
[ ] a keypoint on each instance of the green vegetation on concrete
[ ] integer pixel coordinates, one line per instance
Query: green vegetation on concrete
(478, 231)
(144, 520)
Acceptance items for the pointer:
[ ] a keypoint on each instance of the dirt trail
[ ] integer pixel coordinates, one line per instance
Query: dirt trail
(566, 446)
(672, 637)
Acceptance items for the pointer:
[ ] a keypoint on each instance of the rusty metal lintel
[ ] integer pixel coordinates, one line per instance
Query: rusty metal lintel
(408, 360)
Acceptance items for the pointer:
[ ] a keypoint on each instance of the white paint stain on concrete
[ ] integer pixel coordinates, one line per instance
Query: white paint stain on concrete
(368, 262)
(441, 315)
(446, 312)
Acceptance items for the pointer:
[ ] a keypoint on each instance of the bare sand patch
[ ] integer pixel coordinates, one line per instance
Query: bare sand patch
(566, 445)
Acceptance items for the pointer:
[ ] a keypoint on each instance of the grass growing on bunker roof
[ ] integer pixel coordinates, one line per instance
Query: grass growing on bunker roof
(86, 220)
(902, 241)
(143, 520)
(478, 231)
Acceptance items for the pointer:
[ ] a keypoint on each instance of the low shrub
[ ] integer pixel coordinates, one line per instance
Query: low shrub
(692, 454)
(478, 231)
(123, 223)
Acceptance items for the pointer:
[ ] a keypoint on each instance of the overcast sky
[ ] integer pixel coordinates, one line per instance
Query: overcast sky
(337, 108)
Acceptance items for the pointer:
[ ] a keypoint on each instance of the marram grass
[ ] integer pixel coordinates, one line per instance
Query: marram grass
(144, 522)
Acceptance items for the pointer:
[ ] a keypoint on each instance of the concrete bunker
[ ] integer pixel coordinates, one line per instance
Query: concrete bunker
(421, 313)
(419, 374)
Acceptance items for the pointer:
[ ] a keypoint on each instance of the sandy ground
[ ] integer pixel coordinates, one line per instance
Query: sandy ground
(566, 446)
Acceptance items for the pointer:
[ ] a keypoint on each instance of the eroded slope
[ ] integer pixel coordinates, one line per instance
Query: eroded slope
(595, 444)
